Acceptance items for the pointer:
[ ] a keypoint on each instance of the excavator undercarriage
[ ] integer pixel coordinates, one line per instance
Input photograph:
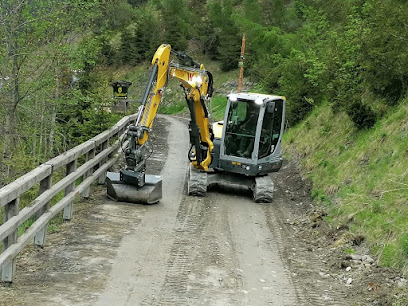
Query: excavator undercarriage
(199, 182)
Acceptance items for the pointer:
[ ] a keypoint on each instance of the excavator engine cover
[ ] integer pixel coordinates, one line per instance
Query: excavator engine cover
(119, 190)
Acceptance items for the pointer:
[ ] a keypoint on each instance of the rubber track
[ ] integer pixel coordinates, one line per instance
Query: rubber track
(197, 182)
(263, 190)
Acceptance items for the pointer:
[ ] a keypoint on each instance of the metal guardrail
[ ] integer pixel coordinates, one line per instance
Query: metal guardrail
(98, 154)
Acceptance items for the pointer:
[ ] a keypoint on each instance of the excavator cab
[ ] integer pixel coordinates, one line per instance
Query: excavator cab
(250, 142)
(240, 131)
(248, 146)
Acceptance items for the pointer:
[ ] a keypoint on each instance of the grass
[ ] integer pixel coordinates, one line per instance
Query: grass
(217, 108)
(173, 108)
(360, 176)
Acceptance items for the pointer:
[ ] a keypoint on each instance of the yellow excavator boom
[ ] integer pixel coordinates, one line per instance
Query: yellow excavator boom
(197, 84)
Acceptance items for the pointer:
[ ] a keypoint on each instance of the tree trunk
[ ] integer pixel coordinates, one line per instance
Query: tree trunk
(52, 131)
(14, 81)
(54, 112)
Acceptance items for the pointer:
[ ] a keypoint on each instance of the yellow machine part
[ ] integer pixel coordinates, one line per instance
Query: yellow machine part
(217, 129)
(195, 81)
(161, 57)
(203, 124)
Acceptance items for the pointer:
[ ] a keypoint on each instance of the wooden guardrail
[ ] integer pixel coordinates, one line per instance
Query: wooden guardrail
(98, 154)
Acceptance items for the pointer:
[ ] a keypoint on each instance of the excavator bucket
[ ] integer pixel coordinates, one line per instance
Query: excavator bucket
(149, 193)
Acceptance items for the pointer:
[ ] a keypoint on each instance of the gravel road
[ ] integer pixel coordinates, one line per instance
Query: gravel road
(222, 249)
(215, 250)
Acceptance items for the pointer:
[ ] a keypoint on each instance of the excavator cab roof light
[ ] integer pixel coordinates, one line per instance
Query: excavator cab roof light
(233, 98)
(259, 101)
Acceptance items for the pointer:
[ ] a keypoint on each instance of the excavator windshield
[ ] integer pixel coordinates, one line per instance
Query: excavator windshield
(241, 128)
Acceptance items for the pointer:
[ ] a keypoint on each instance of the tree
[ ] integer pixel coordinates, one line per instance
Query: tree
(174, 18)
(140, 40)
(384, 42)
(34, 34)
(229, 36)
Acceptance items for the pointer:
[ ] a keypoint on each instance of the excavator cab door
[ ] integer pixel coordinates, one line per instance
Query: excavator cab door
(241, 128)
(272, 128)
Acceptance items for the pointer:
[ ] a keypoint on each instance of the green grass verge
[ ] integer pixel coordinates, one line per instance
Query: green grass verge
(360, 176)
(173, 108)
(217, 107)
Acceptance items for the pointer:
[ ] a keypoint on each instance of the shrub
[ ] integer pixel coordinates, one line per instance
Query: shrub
(362, 115)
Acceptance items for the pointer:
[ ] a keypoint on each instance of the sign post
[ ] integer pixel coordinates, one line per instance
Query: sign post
(241, 64)
(120, 92)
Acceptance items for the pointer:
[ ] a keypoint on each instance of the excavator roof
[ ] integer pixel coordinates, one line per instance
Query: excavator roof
(254, 96)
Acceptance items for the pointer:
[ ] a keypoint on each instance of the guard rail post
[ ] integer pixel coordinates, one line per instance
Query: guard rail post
(67, 213)
(10, 210)
(90, 155)
(39, 238)
(102, 177)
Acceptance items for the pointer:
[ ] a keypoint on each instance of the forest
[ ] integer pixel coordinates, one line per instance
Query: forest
(342, 61)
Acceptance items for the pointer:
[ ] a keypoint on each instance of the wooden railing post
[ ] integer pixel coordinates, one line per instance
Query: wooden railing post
(67, 214)
(11, 209)
(39, 239)
(102, 177)
(89, 156)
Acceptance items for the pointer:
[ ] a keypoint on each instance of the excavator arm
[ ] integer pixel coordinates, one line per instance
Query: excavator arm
(197, 85)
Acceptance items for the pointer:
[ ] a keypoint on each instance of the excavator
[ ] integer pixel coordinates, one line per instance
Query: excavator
(236, 153)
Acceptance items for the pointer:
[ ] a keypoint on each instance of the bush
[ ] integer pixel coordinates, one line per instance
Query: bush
(362, 115)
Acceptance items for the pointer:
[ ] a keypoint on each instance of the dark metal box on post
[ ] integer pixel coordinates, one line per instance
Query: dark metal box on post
(120, 92)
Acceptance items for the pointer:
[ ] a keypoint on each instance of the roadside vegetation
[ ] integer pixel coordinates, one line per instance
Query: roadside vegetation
(342, 66)
(359, 176)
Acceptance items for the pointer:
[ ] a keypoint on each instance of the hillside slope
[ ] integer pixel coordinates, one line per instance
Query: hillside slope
(359, 177)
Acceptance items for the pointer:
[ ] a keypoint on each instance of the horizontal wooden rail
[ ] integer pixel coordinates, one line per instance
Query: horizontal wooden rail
(100, 153)
(8, 255)
(15, 189)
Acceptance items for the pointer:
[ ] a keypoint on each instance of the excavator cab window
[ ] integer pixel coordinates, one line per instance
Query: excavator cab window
(241, 128)
(271, 128)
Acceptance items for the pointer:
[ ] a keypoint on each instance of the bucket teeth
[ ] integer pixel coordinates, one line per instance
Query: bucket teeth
(149, 193)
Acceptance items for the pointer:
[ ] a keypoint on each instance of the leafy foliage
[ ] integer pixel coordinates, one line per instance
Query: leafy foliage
(385, 41)
(362, 115)
(227, 34)
(308, 51)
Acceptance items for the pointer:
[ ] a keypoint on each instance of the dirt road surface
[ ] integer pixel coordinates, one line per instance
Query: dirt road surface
(222, 249)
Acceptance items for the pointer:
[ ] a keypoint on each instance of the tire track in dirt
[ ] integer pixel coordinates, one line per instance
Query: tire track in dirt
(140, 267)
(223, 254)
